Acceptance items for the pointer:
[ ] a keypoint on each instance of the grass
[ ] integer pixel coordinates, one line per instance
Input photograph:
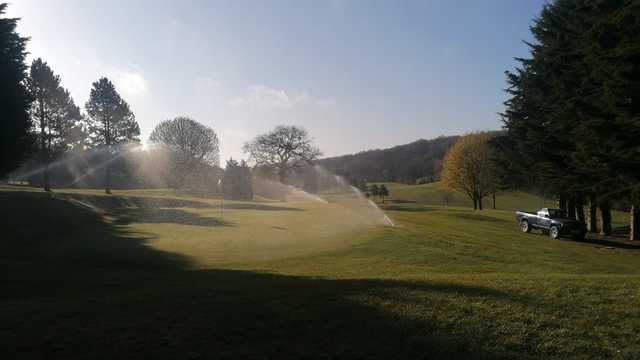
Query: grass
(148, 274)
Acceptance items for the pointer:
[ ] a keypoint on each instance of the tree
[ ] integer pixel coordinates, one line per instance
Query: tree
(190, 146)
(468, 168)
(573, 109)
(53, 112)
(375, 190)
(111, 121)
(237, 181)
(14, 98)
(383, 192)
(285, 148)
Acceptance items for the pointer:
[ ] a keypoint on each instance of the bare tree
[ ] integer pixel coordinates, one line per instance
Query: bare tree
(284, 148)
(190, 145)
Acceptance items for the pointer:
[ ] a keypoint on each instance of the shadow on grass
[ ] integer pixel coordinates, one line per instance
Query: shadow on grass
(401, 201)
(476, 217)
(413, 208)
(262, 207)
(79, 286)
(131, 209)
(168, 216)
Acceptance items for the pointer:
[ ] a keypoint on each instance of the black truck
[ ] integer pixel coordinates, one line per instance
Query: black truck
(551, 221)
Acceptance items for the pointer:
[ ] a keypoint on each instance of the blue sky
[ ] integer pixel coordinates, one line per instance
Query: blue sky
(357, 74)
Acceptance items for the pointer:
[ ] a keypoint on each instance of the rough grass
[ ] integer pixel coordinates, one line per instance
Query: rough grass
(90, 276)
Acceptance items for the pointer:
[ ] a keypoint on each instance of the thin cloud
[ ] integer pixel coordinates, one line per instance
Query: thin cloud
(130, 83)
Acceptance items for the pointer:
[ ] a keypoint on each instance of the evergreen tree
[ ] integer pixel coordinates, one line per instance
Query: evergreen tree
(574, 106)
(53, 113)
(111, 122)
(14, 98)
(375, 190)
(383, 192)
(237, 181)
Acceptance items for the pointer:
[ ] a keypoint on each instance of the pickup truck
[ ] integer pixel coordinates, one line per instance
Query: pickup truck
(551, 221)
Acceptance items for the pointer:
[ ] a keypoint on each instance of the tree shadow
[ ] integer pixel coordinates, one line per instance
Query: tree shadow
(262, 207)
(476, 217)
(132, 209)
(171, 216)
(117, 202)
(80, 286)
(618, 239)
(416, 208)
(401, 201)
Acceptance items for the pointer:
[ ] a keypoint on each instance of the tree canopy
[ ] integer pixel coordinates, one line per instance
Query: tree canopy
(190, 146)
(573, 116)
(14, 98)
(110, 120)
(469, 168)
(285, 148)
(54, 114)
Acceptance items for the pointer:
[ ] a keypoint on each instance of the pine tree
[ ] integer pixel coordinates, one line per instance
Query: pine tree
(574, 105)
(383, 192)
(14, 98)
(53, 112)
(111, 122)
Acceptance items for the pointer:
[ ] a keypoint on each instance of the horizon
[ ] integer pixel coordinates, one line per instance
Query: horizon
(358, 76)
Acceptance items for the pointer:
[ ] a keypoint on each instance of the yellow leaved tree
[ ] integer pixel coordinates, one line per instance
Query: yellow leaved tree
(468, 168)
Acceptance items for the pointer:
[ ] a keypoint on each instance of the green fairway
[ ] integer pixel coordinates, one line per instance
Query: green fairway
(147, 274)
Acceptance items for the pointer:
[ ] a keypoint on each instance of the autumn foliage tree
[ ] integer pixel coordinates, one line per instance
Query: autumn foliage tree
(468, 168)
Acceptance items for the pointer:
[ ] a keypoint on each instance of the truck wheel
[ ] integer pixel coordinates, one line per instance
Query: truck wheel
(524, 226)
(554, 232)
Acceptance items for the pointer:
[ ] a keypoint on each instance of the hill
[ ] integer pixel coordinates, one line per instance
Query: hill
(403, 163)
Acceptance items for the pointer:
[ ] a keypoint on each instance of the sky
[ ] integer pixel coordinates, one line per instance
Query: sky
(357, 75)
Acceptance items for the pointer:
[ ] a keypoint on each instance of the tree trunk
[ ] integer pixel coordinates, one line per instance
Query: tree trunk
(479, 203)
(107, 178)
(605, 218)
(494, 201)
(571, 208)
(43, 149)
(592, 220)
(634, 217)
(580, 208)
(475, 202)
(562, 203)
(282, 175)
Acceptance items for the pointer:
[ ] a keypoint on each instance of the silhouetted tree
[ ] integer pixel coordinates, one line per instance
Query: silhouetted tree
(375, 190)
(190, 146)
(383, 192)
(238, 180)
(111, 121)
(14, 99)
(54, 114)
(285, 148)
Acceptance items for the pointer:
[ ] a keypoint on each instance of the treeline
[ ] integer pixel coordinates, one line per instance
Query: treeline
(573, 117)
(416, 162)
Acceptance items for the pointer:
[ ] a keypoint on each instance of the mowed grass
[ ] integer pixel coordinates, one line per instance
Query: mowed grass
(149, 274)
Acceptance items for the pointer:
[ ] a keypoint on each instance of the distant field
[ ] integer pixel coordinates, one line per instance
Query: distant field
(435, 194)
(154, 275)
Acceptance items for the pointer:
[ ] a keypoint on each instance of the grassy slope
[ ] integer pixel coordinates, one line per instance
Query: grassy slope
(166, 277)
